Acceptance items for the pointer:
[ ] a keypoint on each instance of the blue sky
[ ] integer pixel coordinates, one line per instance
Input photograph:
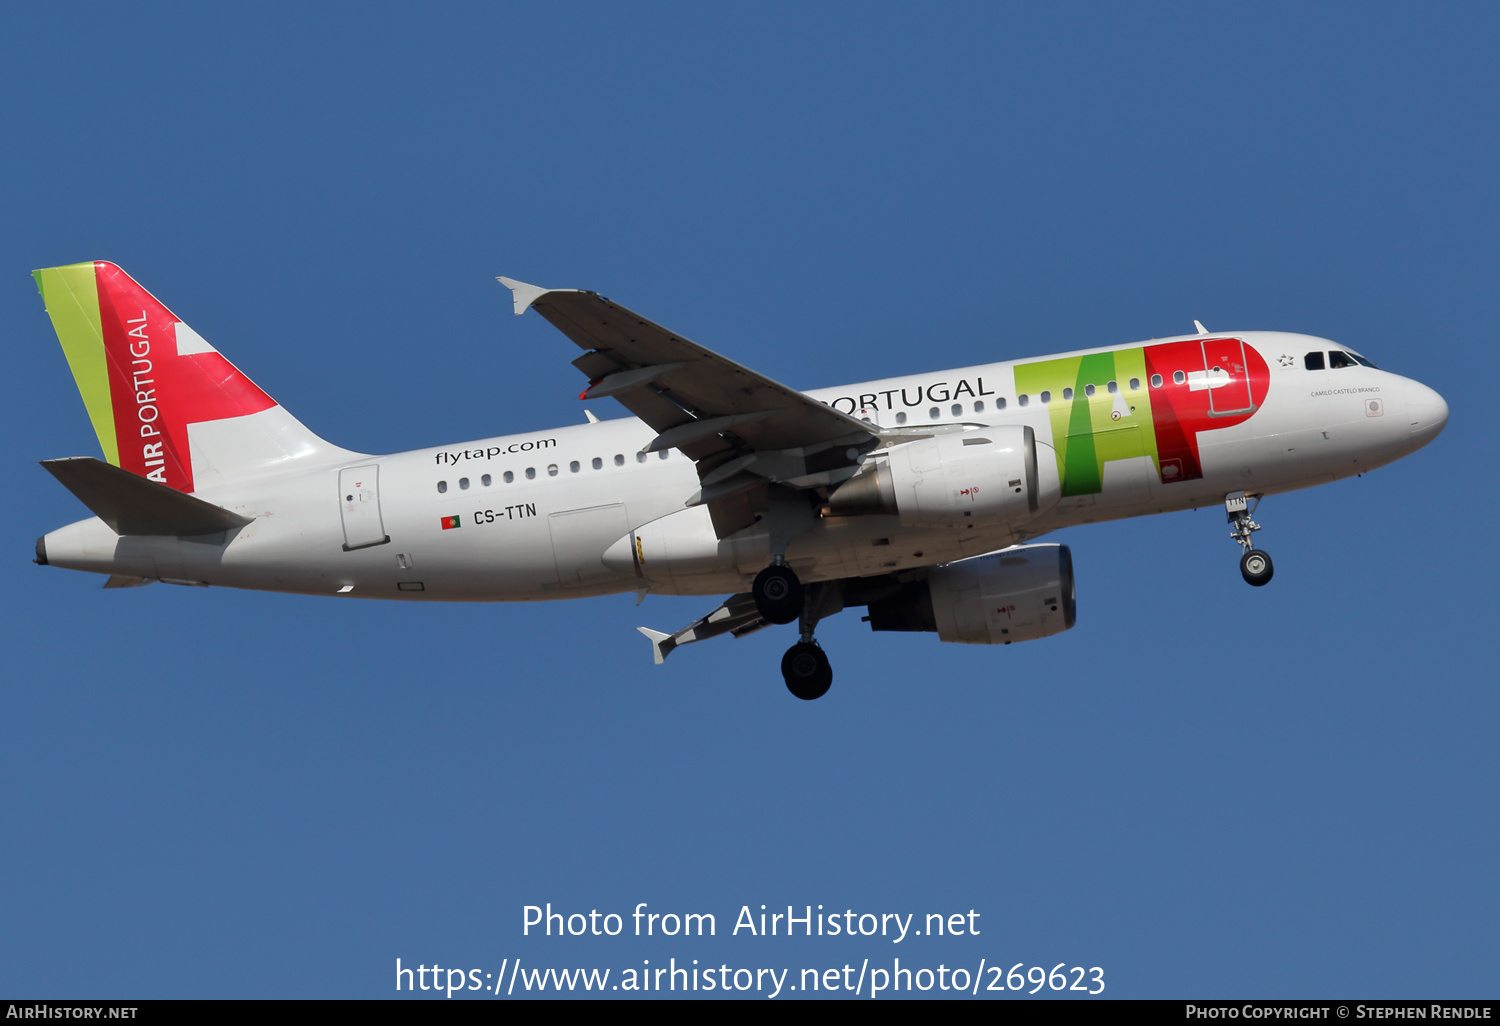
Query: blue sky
(1203, 789)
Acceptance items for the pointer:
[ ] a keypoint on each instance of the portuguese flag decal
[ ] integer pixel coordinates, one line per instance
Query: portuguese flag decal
(450, 523)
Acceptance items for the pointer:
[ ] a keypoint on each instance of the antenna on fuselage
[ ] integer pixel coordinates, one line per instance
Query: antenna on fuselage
(1201, 329)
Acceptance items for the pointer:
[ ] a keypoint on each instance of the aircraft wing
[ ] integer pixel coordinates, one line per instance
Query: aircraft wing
(737, 615)
(744, 430)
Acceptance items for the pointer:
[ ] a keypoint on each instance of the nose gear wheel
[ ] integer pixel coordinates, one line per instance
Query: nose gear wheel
(1256, 568)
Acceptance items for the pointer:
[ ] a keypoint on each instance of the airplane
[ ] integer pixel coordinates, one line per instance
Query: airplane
(917, 497)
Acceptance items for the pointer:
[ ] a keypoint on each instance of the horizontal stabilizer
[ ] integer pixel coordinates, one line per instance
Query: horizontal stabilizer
(130, 504)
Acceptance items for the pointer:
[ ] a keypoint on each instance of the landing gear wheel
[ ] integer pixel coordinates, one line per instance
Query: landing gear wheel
(806, 670)
(778, 594)
(1256, 568)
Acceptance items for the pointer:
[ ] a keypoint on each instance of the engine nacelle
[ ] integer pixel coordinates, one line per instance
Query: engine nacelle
(1015, 594)
(997, 474)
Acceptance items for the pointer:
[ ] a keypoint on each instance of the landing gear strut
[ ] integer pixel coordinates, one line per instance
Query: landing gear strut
(781, 598)
(1255, 565)
(777, 593)
(805, 666)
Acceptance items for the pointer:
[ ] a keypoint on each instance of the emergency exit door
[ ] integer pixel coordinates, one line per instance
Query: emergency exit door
(359, 502)
(1228, 377)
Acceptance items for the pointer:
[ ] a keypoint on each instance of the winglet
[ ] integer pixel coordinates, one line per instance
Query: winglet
(523, 293)
(656, 638)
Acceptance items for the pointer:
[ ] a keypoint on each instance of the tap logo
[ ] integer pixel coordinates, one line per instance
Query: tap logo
(1149, 401)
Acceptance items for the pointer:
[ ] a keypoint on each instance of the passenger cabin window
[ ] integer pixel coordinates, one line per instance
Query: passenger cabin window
(934, 413)
(598, 463)
(1089, 390)
(1135, 384)
(442, 487)
(900, 418)
(552, 470)
(619, 459)
(999, 404)
(640, 457)
(1178, 377)
(664, 453)
(1313, 361)
(1068, 393)
(1023, 399)
(1156, 381)
(573, 467)
(530, 473)
(958, 409)
(1113, 387)
(486, 480)
(509, 476)
(1046, 396)
(1337, 359)
(463, 483)
(979, 406)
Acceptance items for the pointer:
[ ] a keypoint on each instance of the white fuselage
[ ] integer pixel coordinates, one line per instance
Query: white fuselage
(537, 512)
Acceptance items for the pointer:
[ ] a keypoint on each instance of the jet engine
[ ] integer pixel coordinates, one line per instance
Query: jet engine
(1016, 594)
(997, 474)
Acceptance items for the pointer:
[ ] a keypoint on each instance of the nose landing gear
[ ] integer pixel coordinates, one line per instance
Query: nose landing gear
(1255, 565)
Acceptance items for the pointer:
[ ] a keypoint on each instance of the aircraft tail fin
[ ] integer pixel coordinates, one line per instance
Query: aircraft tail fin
(165, 405)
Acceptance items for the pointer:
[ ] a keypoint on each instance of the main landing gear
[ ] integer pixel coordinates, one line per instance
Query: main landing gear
(1255, 565)
(806, 669)
(781, 598)
(778, 593)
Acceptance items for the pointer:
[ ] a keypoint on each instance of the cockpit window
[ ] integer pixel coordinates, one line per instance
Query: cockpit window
(1337, 359)
(1313, 361)
(1363, 362)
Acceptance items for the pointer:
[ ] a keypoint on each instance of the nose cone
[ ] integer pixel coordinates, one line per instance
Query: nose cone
(1426, 411)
